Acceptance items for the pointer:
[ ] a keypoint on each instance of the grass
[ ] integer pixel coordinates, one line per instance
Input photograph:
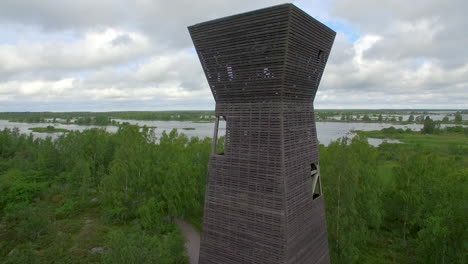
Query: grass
(445, 142)
(196, 222)
(67, 239)
(388, 248)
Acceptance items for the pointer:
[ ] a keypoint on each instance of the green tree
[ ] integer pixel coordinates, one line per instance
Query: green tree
(352, 203)
(429, 126)
(458, 117)
(429, 196)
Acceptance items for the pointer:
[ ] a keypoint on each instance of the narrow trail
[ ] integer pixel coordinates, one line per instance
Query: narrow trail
(192, 240)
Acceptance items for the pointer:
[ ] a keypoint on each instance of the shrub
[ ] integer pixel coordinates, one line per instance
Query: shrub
(138, 247)
(67, 208)
(392, 130)
(27, 222)
(16, 188)
(32, 223)
(153, 217)
(22, 254)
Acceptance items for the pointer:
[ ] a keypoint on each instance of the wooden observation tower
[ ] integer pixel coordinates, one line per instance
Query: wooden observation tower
(264, 203)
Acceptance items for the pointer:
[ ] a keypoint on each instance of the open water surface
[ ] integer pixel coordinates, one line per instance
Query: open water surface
(326, 131)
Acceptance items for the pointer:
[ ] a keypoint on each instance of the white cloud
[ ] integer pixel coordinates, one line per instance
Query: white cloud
(169, 77)
(96, 49)
(407, 56)
(138, 54)
(362, 81)
(41, 90)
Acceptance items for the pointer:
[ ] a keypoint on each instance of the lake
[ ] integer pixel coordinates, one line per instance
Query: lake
(326, 131)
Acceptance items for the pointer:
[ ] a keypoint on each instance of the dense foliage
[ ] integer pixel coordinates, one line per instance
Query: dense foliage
(98, 197)
(119, 192)
(395, 204)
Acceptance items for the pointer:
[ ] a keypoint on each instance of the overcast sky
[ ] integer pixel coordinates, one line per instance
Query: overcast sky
(109, 55)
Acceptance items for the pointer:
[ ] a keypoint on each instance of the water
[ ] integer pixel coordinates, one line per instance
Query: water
(327, 131)
(24, 128)
(378, 141)
(331, 131)
(201, 129)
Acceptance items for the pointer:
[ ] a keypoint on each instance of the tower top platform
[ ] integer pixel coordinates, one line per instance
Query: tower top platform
(274, 54)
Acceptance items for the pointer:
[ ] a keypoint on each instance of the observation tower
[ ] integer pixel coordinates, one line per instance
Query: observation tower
(264, 202)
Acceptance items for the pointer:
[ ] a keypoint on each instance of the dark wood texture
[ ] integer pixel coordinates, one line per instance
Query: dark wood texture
(264, 68)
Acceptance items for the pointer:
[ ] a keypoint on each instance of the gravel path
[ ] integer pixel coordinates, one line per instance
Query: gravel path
(192, 240)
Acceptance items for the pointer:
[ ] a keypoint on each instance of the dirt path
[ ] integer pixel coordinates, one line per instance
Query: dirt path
(192, 240)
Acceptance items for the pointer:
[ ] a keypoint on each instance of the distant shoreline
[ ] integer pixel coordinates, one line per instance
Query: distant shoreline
(393, 116)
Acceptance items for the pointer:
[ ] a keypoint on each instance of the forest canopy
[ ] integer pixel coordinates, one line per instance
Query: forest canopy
(99, 197)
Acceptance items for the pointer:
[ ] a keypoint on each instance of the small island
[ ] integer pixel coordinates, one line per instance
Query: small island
(49, 129)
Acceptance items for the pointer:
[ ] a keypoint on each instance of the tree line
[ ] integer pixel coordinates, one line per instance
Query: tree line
(106, 118)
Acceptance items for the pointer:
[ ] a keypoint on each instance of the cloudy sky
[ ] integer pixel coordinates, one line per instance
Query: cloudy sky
(107, 55)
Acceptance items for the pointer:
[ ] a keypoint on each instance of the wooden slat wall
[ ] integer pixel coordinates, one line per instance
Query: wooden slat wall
(264, 68)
